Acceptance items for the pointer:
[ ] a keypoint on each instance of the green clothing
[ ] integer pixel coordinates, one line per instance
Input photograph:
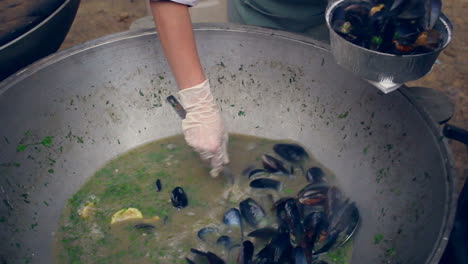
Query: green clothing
(300, 16)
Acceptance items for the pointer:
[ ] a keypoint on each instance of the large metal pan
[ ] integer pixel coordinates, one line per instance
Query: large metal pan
(105, 97)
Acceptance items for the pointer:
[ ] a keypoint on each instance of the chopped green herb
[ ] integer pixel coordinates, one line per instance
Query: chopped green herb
(161, 77)
(365, 150)
(50, 171)
(376, 40)
(47, 141)
(378, 238)
(241, 113)
(343, 115)
(80, 140)
(21, 148)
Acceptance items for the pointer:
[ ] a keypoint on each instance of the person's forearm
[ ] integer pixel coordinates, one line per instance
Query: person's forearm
(176, 35)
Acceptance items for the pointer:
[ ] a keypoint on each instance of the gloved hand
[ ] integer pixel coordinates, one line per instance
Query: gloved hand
(203, 126)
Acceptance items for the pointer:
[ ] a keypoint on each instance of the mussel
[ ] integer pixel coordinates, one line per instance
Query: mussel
(224, 241)
(315, 175)
(144, 226)
(299, 256)
(293, 221)
(273, 165)
(265, 183)
(277, 251)
(232, 217)
(265, 233)
(291, 152)
(246, 253)
(313, 194)
(179, 198)
(212, 257)
(252, 212)
(189, 261)
(341, 227)
(256, 173)
(314, 224)
(208, 234)
(158, 185)
(389, 26)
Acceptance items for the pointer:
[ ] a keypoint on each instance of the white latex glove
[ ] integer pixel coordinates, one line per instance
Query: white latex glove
(203, 126)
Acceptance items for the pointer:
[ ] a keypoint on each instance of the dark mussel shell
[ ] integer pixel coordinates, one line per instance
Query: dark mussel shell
(293, 220)
(313, 194)
(265, 233)
(252, 212)
(212, 257)
(232, 217)
(429, 40)
(274, 165)
(256, 172)
(189, 261)
(342, 226)
(315, 175)
(207, 233)
(158, 185)
(224, 241)
(335, 200)
(277, 251)
(299, 256)
(179, 198)
(246, 253)
(314, 224)
(291, 152)
(144, 226)
(280, 210)
(264, 183)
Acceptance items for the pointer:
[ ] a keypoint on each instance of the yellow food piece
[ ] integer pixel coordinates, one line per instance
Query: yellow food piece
(154, 218)
(376, 9)
(126, 214)
(88, 210)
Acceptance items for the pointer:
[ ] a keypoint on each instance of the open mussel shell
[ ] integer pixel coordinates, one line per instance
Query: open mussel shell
(208, 234)
(224, 241)
(252, 212)
(341, 228)
(313, 194)
(273, 165)
(232, 217)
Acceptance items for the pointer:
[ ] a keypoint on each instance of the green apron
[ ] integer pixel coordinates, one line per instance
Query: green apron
(300, 16)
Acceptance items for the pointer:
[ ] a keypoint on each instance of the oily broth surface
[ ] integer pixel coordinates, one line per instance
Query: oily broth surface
(129, 182)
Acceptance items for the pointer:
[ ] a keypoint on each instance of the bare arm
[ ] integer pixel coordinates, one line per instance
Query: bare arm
(176, 35)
